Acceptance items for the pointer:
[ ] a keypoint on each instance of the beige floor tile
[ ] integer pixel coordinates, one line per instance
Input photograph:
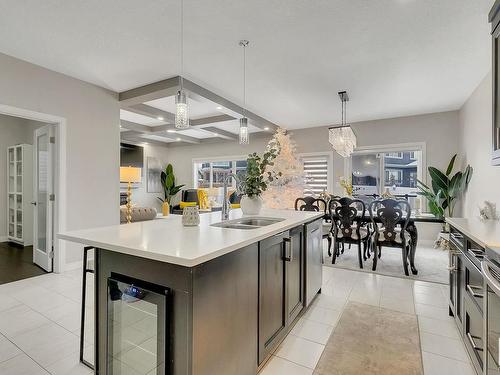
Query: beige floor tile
(280, 366)
(322, 315)
(440, 327)
(7, 349)
(430, 311)
(443, 346)
(313, 331)
(21, 365)
(438, 365)
(301, 351)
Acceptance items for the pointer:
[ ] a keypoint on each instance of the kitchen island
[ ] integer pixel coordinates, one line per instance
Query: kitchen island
(213, 299)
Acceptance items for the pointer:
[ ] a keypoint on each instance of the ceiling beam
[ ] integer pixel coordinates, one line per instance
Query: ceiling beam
(136, 139)
(210, 120)
(138, 129)
(221, 133)
(202, 94)
(143, 94)
(132, 100)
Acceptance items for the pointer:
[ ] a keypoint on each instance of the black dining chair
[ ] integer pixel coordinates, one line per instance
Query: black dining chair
(348, 226)
(317, 205)
(390, 218)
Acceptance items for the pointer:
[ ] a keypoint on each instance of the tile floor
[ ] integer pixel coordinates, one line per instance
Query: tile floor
(39, 323)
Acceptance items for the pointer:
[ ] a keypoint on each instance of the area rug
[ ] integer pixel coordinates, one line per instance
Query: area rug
(431, 263)
(372, 340)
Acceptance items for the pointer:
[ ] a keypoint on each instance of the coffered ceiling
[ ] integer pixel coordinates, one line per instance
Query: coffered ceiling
(395, 57)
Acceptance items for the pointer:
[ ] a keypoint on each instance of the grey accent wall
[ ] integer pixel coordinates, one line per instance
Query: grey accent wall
(92, 115)
(438, 130)
(475, 143)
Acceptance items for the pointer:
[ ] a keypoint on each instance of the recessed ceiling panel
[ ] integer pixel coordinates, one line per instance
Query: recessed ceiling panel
(138, 119)
(195, 133)
(233, 126)
(159, 138)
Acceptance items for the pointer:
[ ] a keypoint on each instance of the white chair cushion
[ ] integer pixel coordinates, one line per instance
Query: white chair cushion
(363, 232)
(398, 235)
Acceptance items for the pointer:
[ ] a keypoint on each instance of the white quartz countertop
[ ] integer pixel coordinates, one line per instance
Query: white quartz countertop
(167, 240)
(485, 232)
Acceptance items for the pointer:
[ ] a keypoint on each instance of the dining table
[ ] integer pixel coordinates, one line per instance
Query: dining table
(411, 228)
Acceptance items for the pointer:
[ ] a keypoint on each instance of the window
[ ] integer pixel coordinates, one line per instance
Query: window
(378, 170)
(393, 176)
(318, 172)
(210, 174)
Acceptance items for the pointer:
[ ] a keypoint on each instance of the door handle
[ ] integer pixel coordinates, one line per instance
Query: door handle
(33, 203)
(473, 342)
(288, 249)
(472, 290)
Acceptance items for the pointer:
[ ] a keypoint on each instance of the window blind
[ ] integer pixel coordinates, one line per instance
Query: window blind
(316, 172)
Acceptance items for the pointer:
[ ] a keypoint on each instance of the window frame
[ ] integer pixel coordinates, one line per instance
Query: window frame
(389, 148)
(329, 160)
(211, 160)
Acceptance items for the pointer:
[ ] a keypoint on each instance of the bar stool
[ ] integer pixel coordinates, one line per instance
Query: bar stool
(86, 270)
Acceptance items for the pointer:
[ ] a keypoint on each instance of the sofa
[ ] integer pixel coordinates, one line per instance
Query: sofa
(138, 214)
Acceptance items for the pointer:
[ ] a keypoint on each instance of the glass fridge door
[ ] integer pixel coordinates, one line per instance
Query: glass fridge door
(138, 327)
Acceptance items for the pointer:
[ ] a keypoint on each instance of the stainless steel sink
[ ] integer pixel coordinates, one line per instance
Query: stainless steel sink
(248, 222)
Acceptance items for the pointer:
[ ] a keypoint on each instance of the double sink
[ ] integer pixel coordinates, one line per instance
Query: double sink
(248, 222)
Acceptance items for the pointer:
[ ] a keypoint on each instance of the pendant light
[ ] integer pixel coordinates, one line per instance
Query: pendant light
(244, 136)
(181, 104)
(342, 138)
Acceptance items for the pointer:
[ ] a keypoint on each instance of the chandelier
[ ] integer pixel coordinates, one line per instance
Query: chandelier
(342, 137)
(244, 136)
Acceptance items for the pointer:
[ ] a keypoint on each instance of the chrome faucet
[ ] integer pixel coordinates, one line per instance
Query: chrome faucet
(225, 202)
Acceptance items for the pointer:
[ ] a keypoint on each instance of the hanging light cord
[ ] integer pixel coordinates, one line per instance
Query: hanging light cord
(244, 79)
(182, 43)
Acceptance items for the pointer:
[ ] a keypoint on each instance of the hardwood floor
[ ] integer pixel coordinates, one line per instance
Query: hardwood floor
(16, 263)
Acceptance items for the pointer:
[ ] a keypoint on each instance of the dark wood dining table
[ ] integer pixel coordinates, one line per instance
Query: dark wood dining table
(411, 228)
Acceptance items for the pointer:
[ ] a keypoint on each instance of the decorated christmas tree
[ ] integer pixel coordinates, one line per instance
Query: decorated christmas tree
(288, 171)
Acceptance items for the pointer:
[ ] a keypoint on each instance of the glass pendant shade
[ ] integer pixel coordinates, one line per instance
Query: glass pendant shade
(244, 137)
(343, 140)
(181, 111)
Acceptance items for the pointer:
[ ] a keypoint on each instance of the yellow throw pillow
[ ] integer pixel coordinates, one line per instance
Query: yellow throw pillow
(187, 204)
(235, 205)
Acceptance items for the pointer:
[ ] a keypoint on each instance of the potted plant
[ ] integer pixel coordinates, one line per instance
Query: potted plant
(169, 188)
(256, 180)
(445, 190)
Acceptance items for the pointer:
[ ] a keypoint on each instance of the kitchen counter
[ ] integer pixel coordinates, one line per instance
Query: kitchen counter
(169, 241)
(485, 232)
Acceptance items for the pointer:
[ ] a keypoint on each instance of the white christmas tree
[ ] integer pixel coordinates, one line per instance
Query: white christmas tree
(288, 172)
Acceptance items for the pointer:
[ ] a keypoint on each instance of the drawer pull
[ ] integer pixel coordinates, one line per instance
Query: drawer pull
(288, 249)
(473, 343)
(477, 253)
(472, 290)
(314, 230)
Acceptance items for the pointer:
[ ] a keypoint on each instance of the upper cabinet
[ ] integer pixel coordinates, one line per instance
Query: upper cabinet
(494, 18)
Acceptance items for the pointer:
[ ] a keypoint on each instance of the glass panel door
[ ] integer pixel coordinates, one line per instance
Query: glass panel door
(137, 327)
(43, 189)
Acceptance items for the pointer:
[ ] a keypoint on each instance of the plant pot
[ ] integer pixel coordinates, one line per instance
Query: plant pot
(165, 208)
(251, 205)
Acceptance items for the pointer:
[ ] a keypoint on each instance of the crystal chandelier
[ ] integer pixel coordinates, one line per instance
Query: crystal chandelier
(244, 136)
(181, 104)
(342, 138)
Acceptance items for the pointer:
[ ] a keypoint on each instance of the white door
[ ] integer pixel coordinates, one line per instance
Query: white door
(43, 202)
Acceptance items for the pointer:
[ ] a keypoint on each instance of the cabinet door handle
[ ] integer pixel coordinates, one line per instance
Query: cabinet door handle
(472, 290)
(288, 249)
(314, 230)
(473, 343)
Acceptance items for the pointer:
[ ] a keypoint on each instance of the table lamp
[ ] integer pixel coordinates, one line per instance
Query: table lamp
(129, 175)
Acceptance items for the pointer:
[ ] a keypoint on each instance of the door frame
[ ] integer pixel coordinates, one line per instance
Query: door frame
(59, 178)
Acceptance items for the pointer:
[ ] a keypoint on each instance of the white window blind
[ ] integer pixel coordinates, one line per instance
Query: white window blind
(316, 171)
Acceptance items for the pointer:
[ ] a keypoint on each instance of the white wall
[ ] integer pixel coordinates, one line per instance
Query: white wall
(92, 144)
(475, 142)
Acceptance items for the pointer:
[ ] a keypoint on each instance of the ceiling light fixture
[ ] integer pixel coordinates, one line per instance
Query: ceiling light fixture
(181, 104)
(177, 139)
(342, 138)
(219, 108)
(244, 137)
(266, 128)
(171, 131)
(160, 118)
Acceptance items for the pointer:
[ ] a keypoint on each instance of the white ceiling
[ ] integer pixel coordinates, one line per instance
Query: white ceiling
(395, 57)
